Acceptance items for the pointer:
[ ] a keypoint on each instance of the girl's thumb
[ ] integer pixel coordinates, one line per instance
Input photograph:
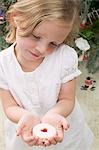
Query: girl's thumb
(65, 124)
(19, 128)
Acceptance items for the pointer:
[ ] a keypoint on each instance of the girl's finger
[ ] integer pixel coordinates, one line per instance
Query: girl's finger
(33, 142)
(19, 129)
(60, 135)
(53, 140)
(65, 124)
(27, 138)
(47, 143)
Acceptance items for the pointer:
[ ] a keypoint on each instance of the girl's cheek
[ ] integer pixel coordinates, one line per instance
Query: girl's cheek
(50, 50)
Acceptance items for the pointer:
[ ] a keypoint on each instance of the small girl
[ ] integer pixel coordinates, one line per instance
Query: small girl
(38, 77)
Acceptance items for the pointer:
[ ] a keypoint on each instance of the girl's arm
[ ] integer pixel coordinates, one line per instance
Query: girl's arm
(25, 120)
(56, 115)
(12, 110)
(66, 99)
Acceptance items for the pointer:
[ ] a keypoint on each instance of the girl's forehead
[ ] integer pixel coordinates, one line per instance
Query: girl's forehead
(53, 24)
(53, 30)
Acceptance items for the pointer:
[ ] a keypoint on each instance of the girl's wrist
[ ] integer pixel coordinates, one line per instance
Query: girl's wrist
(30, 114)
(52, 113)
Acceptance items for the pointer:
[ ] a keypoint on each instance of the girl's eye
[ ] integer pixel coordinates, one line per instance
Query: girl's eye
(53, 44)
(36, 37)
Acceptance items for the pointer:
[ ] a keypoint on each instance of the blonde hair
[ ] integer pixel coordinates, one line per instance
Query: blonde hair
(29, 13)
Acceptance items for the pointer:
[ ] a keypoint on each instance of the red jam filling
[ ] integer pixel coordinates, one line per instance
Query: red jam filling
(44, 130)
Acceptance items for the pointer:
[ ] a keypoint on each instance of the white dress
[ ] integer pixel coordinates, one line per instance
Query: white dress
(38, 91)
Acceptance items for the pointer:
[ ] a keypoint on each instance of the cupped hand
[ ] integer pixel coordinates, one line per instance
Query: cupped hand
(25, 127)
(60, 123)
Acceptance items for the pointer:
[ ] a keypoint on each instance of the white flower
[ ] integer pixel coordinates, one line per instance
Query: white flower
(82, 44)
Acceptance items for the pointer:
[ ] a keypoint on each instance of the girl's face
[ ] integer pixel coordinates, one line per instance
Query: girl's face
(46, 37)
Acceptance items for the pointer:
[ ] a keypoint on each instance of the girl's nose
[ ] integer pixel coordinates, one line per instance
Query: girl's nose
(42, 47)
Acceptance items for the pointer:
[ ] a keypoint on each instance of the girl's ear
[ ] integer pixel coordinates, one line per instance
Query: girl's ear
(12, 19)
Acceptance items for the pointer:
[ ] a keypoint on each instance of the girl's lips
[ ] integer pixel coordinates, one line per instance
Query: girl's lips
(34, 54)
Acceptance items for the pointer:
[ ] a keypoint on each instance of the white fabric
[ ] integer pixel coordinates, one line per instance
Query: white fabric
(38, 91)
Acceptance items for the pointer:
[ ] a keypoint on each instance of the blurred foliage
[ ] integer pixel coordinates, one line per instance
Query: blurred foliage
(4, 5)
(91, 34)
